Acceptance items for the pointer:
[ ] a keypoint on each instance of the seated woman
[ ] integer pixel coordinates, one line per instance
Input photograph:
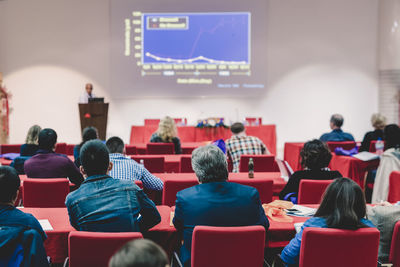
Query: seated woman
(31, 142)
(89, 133)
(390, 161)
(315, 158)
(378, 122)
(343, 207)
(166, 133)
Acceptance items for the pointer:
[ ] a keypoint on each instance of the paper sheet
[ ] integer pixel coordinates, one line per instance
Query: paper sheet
(46, 225)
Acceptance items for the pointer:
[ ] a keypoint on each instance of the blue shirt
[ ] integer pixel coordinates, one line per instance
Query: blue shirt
(125, 168)
(336, 135)
(290, 254)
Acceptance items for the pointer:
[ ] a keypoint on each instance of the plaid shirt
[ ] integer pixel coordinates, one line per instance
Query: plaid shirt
(125, 168)
(244, 145)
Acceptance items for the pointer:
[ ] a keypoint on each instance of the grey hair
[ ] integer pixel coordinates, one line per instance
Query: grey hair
(337, 120)
(209, 163)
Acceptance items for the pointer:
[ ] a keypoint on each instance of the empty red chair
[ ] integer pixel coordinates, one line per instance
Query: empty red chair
(171, 187)
(337, 247)
(186, 164)
(348, 145)
(130, 150)
(151, 122)
(394, 256)
(262, 163)
(311, 191)
(263, 186)
(228, 246)
(10, 149)
(252, 121)
(152, 164)
(160, 148)
(69, 150)
(394, 187)
(61, 148)
(45, 192)
(96, 249)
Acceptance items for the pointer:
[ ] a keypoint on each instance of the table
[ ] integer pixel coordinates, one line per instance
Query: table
(171, 162)
(291, 154)
(187, 147)
(267, 133)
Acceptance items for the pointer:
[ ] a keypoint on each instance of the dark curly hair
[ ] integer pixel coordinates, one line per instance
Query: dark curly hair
(315, 155)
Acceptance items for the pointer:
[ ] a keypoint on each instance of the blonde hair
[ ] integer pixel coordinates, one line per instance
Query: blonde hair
(32, 138)
(167, 129)
(378, 121)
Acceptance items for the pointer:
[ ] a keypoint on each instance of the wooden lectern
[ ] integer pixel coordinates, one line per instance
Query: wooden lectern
(95, 115)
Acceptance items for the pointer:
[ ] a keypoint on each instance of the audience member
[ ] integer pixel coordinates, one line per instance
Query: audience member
(337, 135)
(84, 98)
(47, 164)
(242, 144)
(140, 253)
(19, 231)
(215, 201)
(315, 158)
(390, 161)
(31, 142)
(89, 133)
(378, 122)
(343, 206)
(125, 168)
(104, 204)
(167, 133)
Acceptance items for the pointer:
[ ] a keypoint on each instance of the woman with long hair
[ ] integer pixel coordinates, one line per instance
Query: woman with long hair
(31, 142)
(167, 133)
(89, 133)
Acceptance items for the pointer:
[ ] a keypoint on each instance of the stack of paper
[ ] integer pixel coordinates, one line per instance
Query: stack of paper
(366, 156)
(301, 211)
(46, 225)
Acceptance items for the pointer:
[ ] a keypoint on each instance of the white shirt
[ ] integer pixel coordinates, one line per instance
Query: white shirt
(84, 98)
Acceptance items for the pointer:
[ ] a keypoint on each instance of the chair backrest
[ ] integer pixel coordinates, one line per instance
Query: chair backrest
(262, 163)
(45, 192)
(228, 246)
(347, 145)
(263, 186)
(10, 149)
(69, 150)
(252, 121)
(311, 191)
(330, 247)
(180, 121)
(61, 148)
(151, 122)
(394, 187)
(130, 150)
(152, 164)
(186, 164)
(96, 249)
(394, 256)
(160, 148)
(171, 187)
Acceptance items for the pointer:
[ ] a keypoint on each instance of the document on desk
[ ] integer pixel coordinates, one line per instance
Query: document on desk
(300, 211)
(366, 156)
(46, 225)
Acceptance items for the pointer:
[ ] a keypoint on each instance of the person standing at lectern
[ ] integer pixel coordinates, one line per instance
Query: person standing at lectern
(84, 99)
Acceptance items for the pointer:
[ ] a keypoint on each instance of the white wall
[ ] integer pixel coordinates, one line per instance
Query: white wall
(321, 60)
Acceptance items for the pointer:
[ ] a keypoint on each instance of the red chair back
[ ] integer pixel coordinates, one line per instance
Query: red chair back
(180, 121)
(262, 163)
(151, 122)
(10, 149)
(171, 187)
(345, 145)
(45, 192)
(228, 246)
(69, 150)
(311, 191)
(372, 146)
(160, 148)
(130, 150)
(330, 247)
(152, 164)
(263, 186)
(394, 187)
(394, 256)
(186, 164)
(61, 148)
(96, 249)
(252, 121)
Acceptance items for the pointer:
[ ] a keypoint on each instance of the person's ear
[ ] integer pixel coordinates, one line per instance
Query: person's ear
(110, 166)
(83, 171)
(15, 197)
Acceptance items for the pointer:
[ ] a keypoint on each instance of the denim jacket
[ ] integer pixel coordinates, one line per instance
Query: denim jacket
(104, 204)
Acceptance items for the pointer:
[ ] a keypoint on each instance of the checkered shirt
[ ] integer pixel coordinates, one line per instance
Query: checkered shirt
(244, 145)
(125, 168)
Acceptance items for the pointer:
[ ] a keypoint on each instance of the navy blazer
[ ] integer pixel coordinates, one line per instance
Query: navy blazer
(216, 204)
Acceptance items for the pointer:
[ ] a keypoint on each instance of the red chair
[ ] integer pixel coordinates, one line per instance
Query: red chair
(311, 191)
(348, 145)
(160, 148)
(394, 187)
(262, 163)
(330, 247)
(253, 121)
(180, 121)
(69, 150)
(186, 164)
(372, 146)
(130, 150)
(45, 192)
(151, 122)
(61, 148)
(228, 246)
(394, 256)
(152, 164)
(263, 186)
(96, 249)
(171, 187)
(10, 149)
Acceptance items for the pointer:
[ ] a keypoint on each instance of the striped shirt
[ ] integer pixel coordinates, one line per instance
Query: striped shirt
(125, 168)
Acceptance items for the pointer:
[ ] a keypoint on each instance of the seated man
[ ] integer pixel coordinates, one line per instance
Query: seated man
(47, 164)
(241, 144)
(125, 168)
(18, 227)
(104, 204)
(215, 201)
(337, 135)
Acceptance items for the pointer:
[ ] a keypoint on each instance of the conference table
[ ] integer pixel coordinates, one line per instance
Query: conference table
(187, 147)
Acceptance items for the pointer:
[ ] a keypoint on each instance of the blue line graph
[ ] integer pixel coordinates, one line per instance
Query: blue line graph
(196, 38)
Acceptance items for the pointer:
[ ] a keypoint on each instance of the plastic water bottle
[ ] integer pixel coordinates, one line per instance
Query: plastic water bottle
(251, 168)
(379, 146)
(142, 162)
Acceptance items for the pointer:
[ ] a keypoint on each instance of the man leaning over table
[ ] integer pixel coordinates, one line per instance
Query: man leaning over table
(104, 204)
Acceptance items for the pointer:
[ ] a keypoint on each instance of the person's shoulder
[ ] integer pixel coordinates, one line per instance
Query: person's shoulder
(189, 192)
(325, 137)
(315, 222)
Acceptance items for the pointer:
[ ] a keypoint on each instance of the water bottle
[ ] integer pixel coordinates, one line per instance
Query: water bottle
(379, 146)
(142, 162)
(251, 168)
